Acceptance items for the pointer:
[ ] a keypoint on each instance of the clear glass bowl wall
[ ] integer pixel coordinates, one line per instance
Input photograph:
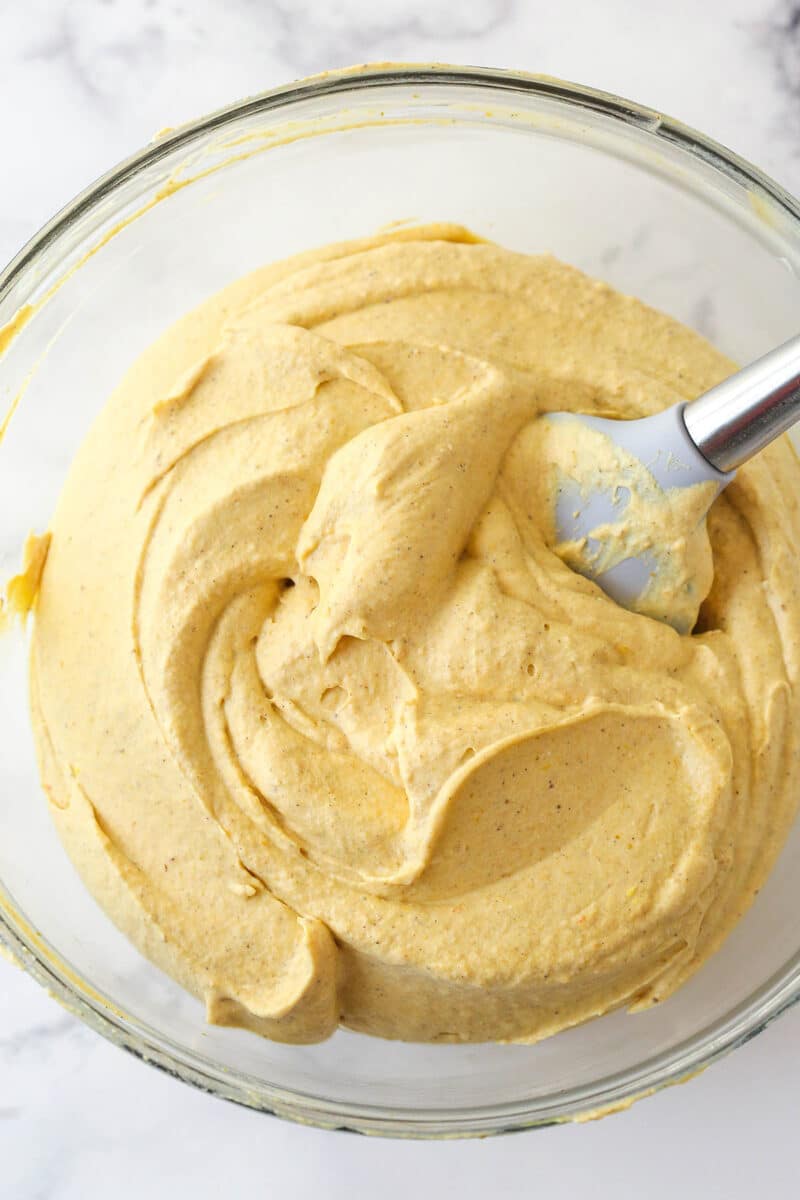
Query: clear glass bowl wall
(617, 190)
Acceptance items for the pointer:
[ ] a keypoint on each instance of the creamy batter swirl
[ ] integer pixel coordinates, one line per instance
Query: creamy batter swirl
(328, 727)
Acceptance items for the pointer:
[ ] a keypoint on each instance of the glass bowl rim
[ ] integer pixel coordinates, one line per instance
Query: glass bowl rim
(613, 1092)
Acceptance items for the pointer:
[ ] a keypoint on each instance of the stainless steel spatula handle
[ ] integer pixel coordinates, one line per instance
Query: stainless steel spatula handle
(743, 414)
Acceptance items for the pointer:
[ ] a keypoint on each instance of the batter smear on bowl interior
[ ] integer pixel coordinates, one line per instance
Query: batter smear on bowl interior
(326, 725)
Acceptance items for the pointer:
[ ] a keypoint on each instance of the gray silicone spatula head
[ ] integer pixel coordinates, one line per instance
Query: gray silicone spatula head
(632, 496)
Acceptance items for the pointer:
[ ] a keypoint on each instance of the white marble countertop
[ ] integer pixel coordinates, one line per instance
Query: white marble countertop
(84, 82)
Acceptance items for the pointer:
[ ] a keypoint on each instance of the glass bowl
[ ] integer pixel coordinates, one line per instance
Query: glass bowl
(620, 191)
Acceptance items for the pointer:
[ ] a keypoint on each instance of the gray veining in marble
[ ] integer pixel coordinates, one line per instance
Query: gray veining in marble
(84, 82)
